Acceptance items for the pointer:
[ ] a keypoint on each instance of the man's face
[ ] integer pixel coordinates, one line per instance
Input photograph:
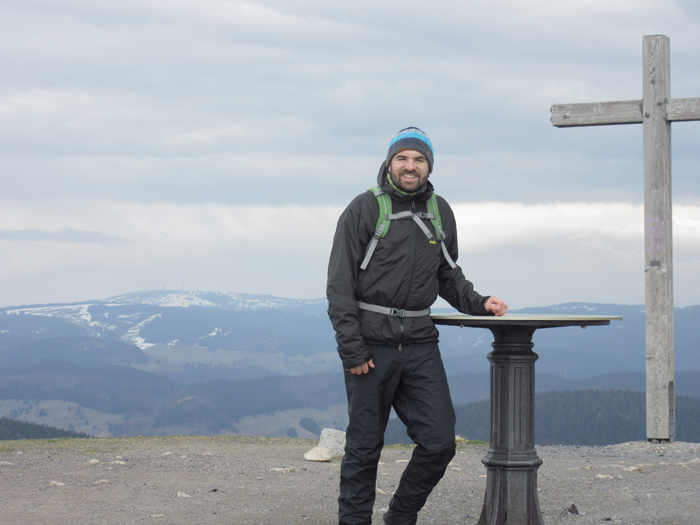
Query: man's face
(409, 170)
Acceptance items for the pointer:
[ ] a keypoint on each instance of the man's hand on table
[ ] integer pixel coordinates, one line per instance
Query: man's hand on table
(362, 369)
(495, 306)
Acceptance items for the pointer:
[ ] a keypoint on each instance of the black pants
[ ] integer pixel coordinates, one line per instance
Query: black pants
(413, 381)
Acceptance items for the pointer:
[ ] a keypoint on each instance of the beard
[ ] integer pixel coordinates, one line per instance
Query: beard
(400, 183)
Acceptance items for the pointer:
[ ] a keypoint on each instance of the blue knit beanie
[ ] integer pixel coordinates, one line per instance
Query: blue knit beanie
(411, 138)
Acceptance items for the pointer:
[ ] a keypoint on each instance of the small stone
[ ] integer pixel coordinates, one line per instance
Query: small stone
(569, 508)
(167, 453)
(183, 457)
(603, 476)
(5, 463)
(101, 482)
(380, 491)
(56, 484)
(401, 461)
(119, 462)
(318, 454)
(183, 495)
(119, 457)
(93, 461)
(285, 470)
(157, 515)
(207, 454)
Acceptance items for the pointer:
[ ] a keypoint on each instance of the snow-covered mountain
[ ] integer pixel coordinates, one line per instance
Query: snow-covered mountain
(96, 318)
(227, 301)
(175, 328)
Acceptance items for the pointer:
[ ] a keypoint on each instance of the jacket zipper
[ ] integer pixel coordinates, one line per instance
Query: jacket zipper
(410, 280)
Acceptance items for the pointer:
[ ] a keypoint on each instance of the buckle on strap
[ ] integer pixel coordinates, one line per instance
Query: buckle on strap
(394, 312)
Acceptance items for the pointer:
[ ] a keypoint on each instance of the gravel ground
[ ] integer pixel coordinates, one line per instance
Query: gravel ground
(241, 480)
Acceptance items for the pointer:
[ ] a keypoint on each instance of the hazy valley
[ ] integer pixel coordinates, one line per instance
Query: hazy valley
(170, 362)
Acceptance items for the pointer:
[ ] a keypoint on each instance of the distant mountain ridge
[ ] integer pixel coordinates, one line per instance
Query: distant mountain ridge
(178, 329)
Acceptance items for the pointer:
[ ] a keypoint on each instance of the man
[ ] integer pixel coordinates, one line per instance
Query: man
(379, 297)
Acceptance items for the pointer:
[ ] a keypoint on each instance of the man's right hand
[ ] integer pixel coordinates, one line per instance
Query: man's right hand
(362, 369)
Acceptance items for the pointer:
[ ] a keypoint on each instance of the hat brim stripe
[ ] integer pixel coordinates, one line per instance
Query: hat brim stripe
(411, 135)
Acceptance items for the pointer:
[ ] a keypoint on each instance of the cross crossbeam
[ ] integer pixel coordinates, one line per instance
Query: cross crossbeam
(620, 112)
(656, 110)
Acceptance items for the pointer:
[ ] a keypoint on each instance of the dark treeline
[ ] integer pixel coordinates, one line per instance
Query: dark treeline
(155, 405)
(78, 350)
(108, 388)
(14, 429)
(581, 417)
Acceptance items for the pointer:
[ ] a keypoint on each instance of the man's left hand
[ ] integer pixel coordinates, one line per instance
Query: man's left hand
(495, 306)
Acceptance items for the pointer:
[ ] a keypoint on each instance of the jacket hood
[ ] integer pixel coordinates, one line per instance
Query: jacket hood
(384, 183)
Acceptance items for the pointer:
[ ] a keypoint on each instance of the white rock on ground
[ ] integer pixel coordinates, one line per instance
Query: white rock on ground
(333, 440)
(318, 454)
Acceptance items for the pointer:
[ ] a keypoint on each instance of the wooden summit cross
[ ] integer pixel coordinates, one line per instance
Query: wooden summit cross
(656, 111)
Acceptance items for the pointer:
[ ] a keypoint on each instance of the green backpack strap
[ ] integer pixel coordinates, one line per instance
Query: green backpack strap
(435, 211)
(383, 222)
(437, 224)
(385, 217)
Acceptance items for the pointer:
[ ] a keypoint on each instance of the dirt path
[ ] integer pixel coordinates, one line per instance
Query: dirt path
(234, 480)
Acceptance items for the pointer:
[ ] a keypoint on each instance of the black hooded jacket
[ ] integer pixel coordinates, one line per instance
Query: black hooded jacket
(406, 271)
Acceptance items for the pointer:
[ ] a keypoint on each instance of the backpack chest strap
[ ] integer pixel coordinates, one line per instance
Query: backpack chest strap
(385, 218)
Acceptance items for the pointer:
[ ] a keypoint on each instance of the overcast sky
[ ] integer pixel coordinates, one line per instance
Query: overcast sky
(212, 144)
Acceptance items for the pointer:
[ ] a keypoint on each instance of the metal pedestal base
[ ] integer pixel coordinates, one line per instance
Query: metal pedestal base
(512, 462)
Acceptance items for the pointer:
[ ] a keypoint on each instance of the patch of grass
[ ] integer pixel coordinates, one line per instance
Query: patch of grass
(400, 446)
(90, 446)
(464, 441)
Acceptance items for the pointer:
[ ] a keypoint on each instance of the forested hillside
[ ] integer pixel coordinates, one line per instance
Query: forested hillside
(14, 429)
(580, 417)
(136, 402)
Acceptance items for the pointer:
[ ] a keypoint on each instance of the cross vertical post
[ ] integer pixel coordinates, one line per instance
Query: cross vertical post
(658, 243)
(655, 111)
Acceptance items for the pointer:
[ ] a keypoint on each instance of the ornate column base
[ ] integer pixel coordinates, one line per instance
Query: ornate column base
(512, 462)
(511, 495)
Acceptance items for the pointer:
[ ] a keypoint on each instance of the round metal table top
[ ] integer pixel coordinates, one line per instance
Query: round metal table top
(533, 320)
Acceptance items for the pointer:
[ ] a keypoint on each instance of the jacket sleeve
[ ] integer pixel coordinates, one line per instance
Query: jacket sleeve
(352, 235)
(454, 287)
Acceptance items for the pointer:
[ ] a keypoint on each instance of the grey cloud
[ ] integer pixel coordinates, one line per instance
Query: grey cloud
(181, 102)
(60, 235)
